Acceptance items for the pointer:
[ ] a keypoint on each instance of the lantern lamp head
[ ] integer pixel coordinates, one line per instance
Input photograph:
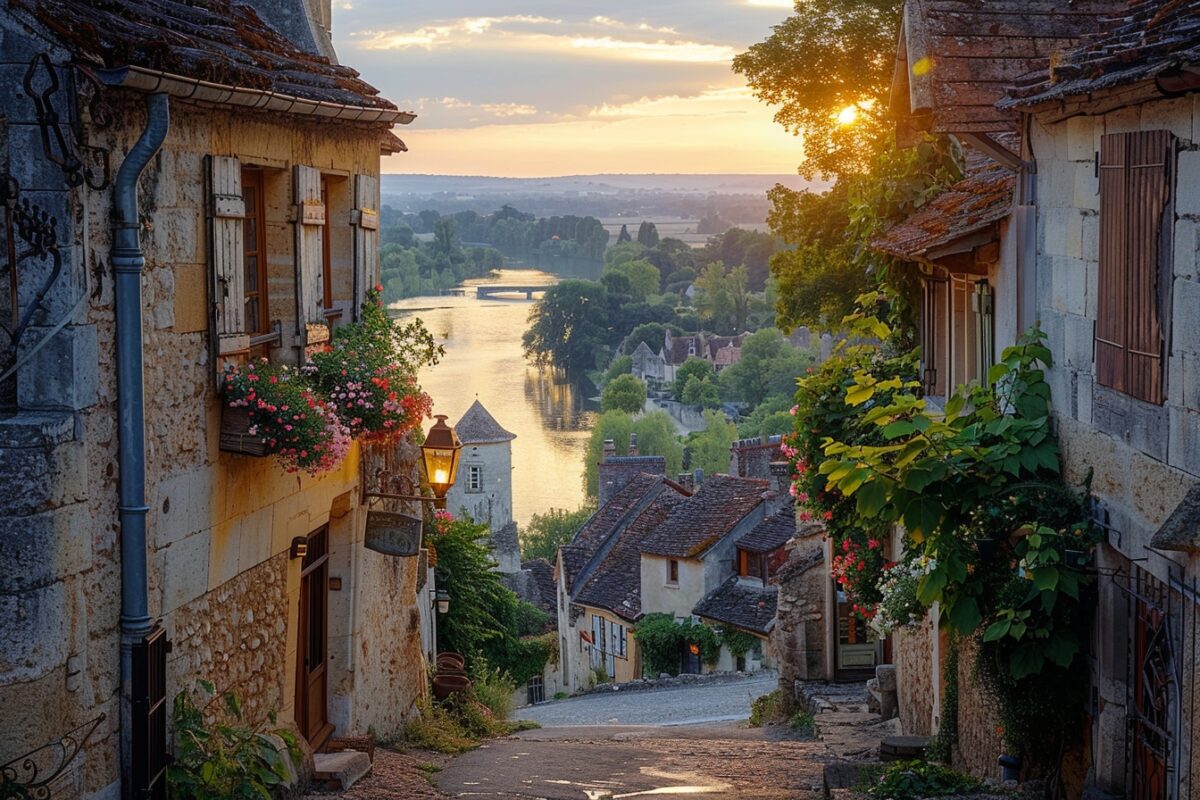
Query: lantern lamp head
(442, 599)
(440, 454)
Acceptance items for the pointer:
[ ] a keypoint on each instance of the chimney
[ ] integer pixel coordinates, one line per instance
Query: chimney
(698, 478)
(610, 450)
(781, 486)
(633, 450)
(687, 481)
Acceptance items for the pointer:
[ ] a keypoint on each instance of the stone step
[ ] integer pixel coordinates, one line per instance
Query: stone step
(340, 771)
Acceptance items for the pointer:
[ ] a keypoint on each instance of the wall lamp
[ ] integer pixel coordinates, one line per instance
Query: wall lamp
(439, 455)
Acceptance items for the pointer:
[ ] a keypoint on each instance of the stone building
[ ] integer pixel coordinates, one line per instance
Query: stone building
(240, 164)
(484, 487)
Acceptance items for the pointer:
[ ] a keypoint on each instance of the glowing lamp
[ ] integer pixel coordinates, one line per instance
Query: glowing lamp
(441, 599)
(440, 454)
(694, 649)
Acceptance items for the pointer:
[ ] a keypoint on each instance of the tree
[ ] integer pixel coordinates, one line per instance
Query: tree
(693, 366)
(654, 334)
(701, 392)
(709, 449)
(830, 56)
(624, 236)
(769, 367)
(643, 277)
(722, 297)
(622, 252)
(568, 325)
(547, 532)
(647, 235)
(621, 365)
(624, 393)
(656, 437)
(443, 236)
(750, 249)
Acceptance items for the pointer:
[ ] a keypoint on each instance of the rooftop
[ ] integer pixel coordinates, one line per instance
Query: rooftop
(216, 41)
(601, 526)
(718, 505)
(956, 58)
(772, 533)
(1139, 40)
(741, 604)
(478, 426)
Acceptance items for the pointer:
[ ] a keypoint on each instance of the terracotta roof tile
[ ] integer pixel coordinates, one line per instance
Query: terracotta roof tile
(718, 505)
(980, 199)
(742, 604)
(1140, 40)
(606, 521)
(772, 533)
(221, 41)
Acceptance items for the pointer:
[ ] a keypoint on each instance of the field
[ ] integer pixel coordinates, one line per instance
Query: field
(673, 227)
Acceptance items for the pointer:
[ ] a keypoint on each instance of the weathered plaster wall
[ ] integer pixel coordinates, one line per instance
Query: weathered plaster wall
(916, 683)
(677, 599)
(492, 503)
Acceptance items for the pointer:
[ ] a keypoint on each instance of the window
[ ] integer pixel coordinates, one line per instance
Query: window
(1135, 186)
(673, 572)
(254, 253)
(474, 478)
(536, 690)
(750, 565)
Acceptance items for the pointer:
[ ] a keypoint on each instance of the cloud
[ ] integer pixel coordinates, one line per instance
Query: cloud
(501, 110)
(661, 50)
(441, 34)
(609, 22)
(728, 100)
(790, 5)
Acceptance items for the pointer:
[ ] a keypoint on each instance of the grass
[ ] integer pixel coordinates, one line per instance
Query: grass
(766, 709)
(561, 695)
(463, 721)
(802, 724)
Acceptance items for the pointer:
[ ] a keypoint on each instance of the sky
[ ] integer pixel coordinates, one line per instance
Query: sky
(533, 88)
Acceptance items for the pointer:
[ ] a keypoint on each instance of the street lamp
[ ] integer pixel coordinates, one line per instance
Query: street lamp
(440, 452)
(441, 598)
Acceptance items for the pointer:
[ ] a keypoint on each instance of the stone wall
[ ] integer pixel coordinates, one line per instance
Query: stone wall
(916, 684)
(980, 742)
(798, 640)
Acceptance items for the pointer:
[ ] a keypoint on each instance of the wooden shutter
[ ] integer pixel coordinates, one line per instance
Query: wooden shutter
(310, 233)
(365, 219)
(226, 209)
(1134, 189)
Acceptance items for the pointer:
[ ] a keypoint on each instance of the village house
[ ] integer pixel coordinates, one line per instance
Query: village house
(209, 193)
(718, 351)
(1078, 214)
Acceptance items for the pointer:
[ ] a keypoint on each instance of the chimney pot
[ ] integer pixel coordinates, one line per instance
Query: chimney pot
(633, 444)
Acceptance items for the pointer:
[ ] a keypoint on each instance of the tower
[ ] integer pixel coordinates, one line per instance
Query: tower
(484, 486)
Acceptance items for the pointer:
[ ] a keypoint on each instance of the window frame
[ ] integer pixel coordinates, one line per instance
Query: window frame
(326, 252)
(256, 211)
(474, 483)
(672, 572)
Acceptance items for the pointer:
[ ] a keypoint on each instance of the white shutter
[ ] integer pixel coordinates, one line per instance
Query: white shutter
(365, 219)
(310, 229)
(226, 211)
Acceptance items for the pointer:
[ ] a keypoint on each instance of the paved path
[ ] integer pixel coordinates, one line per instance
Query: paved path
(689, 705)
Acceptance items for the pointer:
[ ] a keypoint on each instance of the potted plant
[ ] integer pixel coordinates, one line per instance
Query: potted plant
(271, 410)
(369, 372)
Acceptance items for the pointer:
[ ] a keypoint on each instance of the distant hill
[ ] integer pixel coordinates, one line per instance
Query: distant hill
(477, 185)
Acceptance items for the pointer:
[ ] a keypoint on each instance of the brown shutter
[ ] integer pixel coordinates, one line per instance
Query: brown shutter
(1133, 195)
(226, 209)
(310, 256)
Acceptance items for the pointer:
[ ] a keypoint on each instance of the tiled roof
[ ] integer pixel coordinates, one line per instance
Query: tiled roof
(956, 58)
(616, 582)
(607, 520)
(718, 505)
(772, 533)
(980, 199)
(219, 41)
(478, 426)
(1140, 40)
(741, 604)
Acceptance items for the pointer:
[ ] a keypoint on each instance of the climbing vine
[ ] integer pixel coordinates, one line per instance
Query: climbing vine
(661, 638)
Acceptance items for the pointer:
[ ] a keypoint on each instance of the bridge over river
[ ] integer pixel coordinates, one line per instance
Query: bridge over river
(485, 291)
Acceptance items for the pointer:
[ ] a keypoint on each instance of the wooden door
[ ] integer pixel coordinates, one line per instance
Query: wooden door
(1151, 721)
(312, 672)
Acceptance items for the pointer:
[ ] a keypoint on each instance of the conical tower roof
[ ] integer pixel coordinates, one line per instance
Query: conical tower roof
(478, 426)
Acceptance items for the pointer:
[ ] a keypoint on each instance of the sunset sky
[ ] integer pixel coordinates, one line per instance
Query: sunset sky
(546, 87)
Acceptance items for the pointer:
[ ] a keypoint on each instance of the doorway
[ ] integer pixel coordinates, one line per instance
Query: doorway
(312, 671)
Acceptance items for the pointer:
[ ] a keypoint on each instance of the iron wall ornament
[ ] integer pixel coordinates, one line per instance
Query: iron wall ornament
(32, 776)
(41, 84)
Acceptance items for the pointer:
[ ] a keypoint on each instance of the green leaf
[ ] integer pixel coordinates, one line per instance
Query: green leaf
(1026, 660)
(872, 497)
(929, 588)
(997, 371)
(955, 405)
(900, 427)
(1045, 578)
(997, 630)
(1018, 630)
(965, 616)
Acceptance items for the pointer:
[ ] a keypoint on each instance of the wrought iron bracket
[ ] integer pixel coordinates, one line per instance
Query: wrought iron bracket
(438, 502)
(60, 148)
(33, 774)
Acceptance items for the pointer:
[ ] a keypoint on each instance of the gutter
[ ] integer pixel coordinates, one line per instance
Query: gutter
(128, 262)
(158, 82)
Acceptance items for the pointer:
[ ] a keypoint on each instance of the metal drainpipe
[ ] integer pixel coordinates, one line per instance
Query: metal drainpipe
(127, 262)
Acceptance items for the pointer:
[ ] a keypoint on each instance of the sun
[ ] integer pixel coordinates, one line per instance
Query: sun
(848, 115)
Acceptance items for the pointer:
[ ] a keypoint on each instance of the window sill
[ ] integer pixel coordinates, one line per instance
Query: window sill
(670, 585)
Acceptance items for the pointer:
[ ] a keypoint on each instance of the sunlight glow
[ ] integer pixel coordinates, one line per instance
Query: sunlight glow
(848, 115)
(922, 66)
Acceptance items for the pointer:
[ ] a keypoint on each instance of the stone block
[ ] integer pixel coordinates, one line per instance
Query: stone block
(1091, 238)
(1186, 256)
(1174, 115)
(36, 429)
(1087, 185)
(191, 283)
(36, 172)
(1054, 222)
(1187, 184)
(185, 570)
(47, 546)
(254, 538)
(36, 632)
(1184, 450)
(1077, 342)
(62, 375)
(182, 505)
(1074, 243)
(1081, 138)
(1069, 285)
(1185, 315)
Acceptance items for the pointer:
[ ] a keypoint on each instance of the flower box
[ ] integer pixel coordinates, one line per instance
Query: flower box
(235, 433)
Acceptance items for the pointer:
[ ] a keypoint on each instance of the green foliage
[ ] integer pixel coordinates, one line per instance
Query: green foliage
(736, 641)
(722, 298)
(624, 393)
(643, 277)
(647, 234)
(436, 727)
(691, 368)
(652, 333)
(547, 532)
(568, 325)
(701, 392)
(224, 759)
(621, 365)
(766, 709)
(803, 724)
(915, 780)
(750, 249)
(709, 449)
(830, 55)
(493, 688)
(942, 745)
(624, 236)
(769, 366)
(661, 640)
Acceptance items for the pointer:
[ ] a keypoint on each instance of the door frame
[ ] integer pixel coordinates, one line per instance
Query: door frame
(314, 573)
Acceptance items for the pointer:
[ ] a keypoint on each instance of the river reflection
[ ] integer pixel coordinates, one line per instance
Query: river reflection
(484, 360)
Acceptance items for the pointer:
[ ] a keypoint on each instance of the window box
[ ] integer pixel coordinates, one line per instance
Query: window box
(235, 433)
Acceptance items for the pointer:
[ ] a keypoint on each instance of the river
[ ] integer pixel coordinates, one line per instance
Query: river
(484, 360)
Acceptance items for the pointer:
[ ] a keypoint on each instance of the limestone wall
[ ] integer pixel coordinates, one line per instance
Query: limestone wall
(916, 683)
(798, 640)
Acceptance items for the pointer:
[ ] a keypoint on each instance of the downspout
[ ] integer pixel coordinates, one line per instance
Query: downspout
(127, 262)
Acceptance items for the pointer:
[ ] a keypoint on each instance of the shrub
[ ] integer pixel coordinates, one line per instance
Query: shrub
(766, 709)
(436, 727)
(803, 724)
(493, 688)
(913, 780)
(226, 759)
(660, 639)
